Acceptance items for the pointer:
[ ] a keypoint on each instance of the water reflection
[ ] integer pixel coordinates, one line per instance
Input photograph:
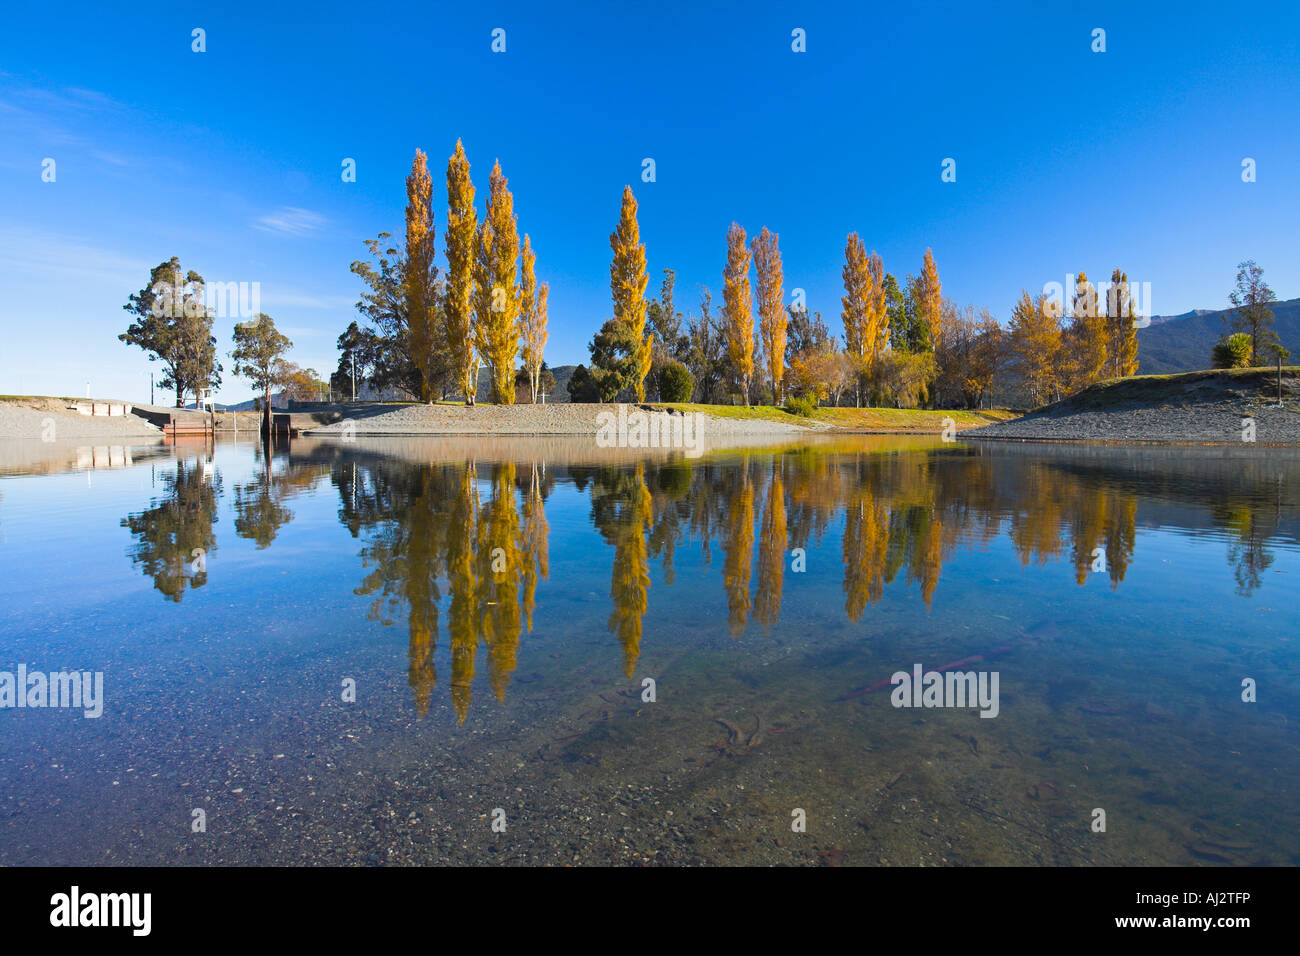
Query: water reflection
(175, 536)
(469, 539)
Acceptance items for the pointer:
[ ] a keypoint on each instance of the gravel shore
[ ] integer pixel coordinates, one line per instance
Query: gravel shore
(50, 420)
(565, 419)
(1219, 423)
(1195, 408)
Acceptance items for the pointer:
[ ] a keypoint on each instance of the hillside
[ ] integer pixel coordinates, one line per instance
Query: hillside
(1207, 407)
(1182, 343)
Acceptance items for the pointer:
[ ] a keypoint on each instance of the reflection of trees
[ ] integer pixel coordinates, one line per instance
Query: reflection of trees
(500, 572)
(1100, 517)
(429, 534)
(1250, 526)
(260, 510)
(771, 551)
(478, 535)
(179, 522)
(622, 511)
(738, 546)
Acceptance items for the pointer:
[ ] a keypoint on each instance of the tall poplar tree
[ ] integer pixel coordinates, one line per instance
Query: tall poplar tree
(532, 318)
(420, 281)
(864, 310)
(462, 228)
(771, 308)
(930, 298)
(497, 292)
(1121, 328)
(627, 282)
(737, 310)
(1087, 336)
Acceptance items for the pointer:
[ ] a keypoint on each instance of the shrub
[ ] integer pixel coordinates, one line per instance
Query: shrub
(801, 405)
(1232, 352)
(675, 383)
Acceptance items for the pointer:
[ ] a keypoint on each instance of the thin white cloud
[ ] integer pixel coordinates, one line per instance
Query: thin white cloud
(291, 221)
(28, 252)
(111, 158)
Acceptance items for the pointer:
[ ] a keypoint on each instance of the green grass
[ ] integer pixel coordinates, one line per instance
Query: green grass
(853, 419)
(1208, 384)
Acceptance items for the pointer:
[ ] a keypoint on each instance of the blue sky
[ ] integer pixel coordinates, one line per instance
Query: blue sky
(1066, 159)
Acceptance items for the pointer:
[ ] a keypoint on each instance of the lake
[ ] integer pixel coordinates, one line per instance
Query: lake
(415, 651)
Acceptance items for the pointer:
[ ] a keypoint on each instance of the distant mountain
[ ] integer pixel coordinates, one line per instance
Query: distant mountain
(1182, 343)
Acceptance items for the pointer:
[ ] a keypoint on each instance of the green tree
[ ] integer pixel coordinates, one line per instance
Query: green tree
(705, 353)
(1252, 298)
(173, 325)
(384, 304)
(359, 351)
(259, 357)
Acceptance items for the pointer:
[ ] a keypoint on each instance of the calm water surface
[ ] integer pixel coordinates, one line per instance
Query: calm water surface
(498, 605)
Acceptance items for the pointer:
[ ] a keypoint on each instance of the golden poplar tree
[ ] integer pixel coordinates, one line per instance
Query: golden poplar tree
(930, 298)
(737, 310)
(1121, 328)
(1036, 343)
(627, 282)
(420, 275)
(497, 288)
(532, 319)
(771, 307)
(865, 310)
(462, 228)
(1087, 336)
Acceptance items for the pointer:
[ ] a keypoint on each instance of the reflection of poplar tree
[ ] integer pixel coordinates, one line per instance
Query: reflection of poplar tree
(500, 569)
(406, 558)
(771, 553)
(1036, 524)
(622, 511)
(738, 552)
(1121, 535)
(462, 622)
(168, 533)
(533, 546)
(929, 557)
(866, 545)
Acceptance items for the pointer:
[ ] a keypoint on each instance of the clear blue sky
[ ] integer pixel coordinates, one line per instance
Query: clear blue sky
(1066, 159)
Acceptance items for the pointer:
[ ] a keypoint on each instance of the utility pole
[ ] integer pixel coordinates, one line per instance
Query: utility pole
(354, 378)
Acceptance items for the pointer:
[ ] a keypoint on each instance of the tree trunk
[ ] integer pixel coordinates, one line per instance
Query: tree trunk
(266, 406)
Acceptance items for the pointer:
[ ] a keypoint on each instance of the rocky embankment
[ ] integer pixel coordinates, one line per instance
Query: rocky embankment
(1216, 408)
